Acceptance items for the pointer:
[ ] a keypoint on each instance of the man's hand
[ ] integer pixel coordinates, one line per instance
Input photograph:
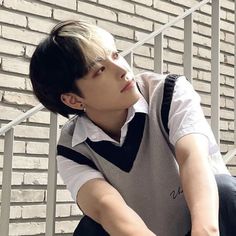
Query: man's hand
(198, 182)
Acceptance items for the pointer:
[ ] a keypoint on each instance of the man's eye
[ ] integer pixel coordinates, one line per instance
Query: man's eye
(100, 70)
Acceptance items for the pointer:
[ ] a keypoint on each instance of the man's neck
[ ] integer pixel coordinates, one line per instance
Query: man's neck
(110, 122)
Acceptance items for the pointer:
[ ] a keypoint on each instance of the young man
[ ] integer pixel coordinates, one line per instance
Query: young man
(138, 157)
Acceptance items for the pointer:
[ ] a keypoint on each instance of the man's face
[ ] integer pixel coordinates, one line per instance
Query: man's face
(109, 85)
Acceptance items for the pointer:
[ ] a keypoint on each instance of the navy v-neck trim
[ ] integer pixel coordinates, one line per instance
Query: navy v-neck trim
(123, 157)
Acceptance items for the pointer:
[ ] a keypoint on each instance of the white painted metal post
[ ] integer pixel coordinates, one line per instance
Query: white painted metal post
(215, 70)
(188, 47)
(129, 58)
(52, 176)
(6, 182)
(158, 53)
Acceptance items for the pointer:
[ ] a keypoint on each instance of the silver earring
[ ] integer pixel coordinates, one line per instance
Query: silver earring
(84, 109)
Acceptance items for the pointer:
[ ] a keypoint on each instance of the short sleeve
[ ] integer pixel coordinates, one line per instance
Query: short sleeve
(186, 115)
(74, 175)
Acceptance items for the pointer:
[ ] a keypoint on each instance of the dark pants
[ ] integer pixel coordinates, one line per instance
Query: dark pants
(227, 211)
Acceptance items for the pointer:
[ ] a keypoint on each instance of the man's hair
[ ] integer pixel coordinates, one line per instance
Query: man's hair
(65, 56)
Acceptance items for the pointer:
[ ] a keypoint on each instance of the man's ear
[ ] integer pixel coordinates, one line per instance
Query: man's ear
(72, 100)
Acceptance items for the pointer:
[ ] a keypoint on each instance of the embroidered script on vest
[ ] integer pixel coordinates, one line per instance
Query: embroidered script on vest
(175, 193)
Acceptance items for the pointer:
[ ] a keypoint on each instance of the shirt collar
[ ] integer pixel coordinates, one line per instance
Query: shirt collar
(85, 128)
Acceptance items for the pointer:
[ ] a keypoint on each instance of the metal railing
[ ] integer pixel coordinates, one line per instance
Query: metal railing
(158, 36)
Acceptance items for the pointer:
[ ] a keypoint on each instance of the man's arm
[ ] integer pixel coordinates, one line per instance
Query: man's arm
(103, 203)
(198, 182)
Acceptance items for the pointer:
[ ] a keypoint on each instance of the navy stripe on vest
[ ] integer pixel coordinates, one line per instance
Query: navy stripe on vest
(75, 156)
(167, 98)
(123, 157)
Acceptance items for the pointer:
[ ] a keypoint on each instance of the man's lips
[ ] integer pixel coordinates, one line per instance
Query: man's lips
(128, 85)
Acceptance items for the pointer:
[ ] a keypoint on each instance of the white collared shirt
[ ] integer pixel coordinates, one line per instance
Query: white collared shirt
(85, 128)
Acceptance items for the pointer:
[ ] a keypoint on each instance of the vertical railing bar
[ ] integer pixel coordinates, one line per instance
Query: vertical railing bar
(188, 47)
(52, 176)
(6, 182)
(158, 53)
(130, 59)
(234, 73)
(215, 68)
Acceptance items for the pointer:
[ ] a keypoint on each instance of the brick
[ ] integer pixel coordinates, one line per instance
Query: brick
(168, 7)
(226, 114)
(12, 48)
(116, 29)
(15, 65)
(12, 18)
(202, 29)
(64, 196)
(36, 148)
(143, 62)
(206, 111)
(204, 53)
(189, 3)
(229, 5)
(29, 195)
(175, 69)
(64, 227)
(202, 40)
(230, 17)
(40, 25)
(62, 15)
(144, 2)
(225, 91)
(205, 99)
(230, 103)
(226, 47)
(71, 4)
(201, 86)
(19, 98)
(29, 7)
(224, 125)
(9, 113)
(152, 14)
(29, 50)
(232, 170)
(17, 178)
(174, 33)
(22, 35)
(119, 5)
(30, 163)
(33, 211)
(135, 21)
(226, 136)
(40, 117)
(28, 85)
(23, 131)
(141, 35)
(18, 147)
(38, 179)
(231, 126)
(230, 81)
(198, 63)
(175, 45)
(27, 228)
(15, 212)
(75, 211)
(227, 70)
(63, 210)
(96, 11)
(229, 27)
(173, 57)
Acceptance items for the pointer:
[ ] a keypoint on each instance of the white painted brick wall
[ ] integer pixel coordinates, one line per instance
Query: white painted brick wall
(24, 23)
